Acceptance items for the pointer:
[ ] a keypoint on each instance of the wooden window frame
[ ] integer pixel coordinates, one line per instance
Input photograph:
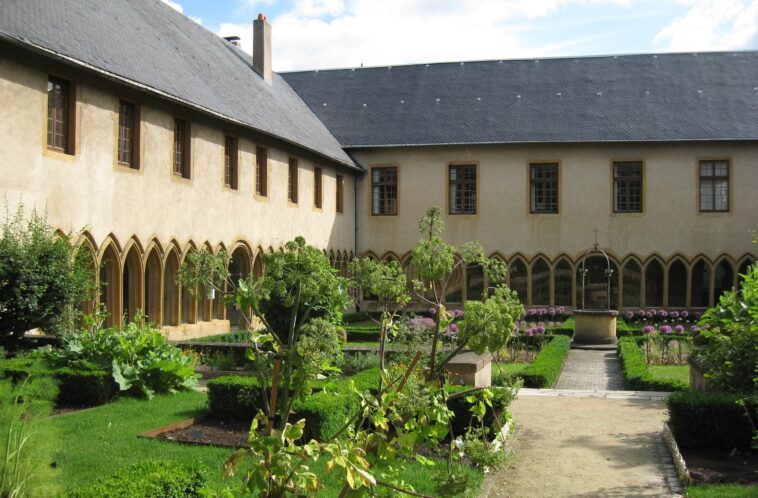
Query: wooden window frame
(68, 116)
(340, 194)
(533, 209)
(261, 171)
(712, 180)
(460, 187)
(231, 162)
(627, 182)
(383, 184)
(318, 187)
(134, 139)
(293, 174)
(182, 164)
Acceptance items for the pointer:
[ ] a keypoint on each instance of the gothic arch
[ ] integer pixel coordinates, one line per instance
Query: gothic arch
(171, 289)
(540, 281)
(654, 273)
(701, 291)
(109, 281)
(518, 276)
(153, 288)
(563, 281)
(677, 282)
(131, 280)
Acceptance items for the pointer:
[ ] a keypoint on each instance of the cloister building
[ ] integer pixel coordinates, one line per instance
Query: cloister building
(151, 137)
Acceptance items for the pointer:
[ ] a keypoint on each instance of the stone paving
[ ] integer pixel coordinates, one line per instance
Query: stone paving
(587, 437)
(591, 370)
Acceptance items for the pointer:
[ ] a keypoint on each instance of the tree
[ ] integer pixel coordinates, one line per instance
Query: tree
(40, 278)
(487, 325)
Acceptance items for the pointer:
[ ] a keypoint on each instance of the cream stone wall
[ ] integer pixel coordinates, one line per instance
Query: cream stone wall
(670, 224)
(151, 207)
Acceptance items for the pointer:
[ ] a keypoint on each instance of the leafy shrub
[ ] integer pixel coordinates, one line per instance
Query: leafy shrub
(731, 349)
(358, 362)
(149, 479)
(325, 412)
(26, 442)
(712, 420)
(84, 385)
(235, 397)
(546, 367)
(40, 277)
(482, 452)
(139, 358)
(494, 417)
(635, 371)
(362, 335)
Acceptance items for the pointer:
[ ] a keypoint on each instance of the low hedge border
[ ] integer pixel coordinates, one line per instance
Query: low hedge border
(546, 367)
(634, 368)
(148, 479)
(87, 385)
(362, 335)
(712, 420)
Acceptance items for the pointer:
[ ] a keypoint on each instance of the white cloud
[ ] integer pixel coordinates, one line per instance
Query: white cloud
(712, 25)
(174, 5)
(345, 33)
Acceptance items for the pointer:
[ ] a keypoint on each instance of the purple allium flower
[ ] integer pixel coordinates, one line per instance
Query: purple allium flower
(655, 311)
(551, 311)
(649, 329)
(629, 315)
(674, 314)
(529, 332)
(558, 324)
(665, 329)
(540, 330)
(684, 314)
(641, 313)
(694, 328)
(515, 331)
(679, 329)
(530, 311)
(698, 314)
(649, 314)
(456, 313)
(452, 328)
(551, 324)
(663, 313)
(561, 310)
(432, 310)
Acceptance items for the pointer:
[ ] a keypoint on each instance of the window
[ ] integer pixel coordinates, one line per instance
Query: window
(714, 186)
(181, 148)
(61, 111)
(384, 191)
(627, 187)
(543, 188)
(340, 194)
(261, 171)
(462, 189)
(292, 181)
(231, 155)
(317, 187)
(128, 135)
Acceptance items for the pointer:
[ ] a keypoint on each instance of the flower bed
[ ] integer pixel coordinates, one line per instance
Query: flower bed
(634, 367)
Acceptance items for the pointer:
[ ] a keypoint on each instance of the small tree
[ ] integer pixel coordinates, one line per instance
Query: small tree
(40, 278)
(488, 324)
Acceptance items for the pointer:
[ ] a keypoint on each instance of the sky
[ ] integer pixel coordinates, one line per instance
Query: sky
(322, 34)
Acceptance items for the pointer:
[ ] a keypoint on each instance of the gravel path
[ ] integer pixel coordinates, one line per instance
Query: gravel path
(586, 446)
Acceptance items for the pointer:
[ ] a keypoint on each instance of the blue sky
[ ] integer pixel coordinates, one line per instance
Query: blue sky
(317, 34)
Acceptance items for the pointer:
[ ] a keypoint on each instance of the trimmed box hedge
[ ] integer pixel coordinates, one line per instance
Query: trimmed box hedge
(86, 385)
(712, 420)
(634, 368)
(148, 479)
(546, 367)
(235, 397)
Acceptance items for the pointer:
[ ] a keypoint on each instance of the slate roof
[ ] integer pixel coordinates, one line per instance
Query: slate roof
(666, 97)
(148, 44)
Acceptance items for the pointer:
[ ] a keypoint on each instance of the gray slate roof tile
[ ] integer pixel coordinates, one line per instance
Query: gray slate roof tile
(666, 97)
(149, 43)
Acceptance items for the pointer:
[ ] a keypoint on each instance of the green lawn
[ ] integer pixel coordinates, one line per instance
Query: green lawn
(98, 441)
(722, 491)
(502, 372)
(670, 372)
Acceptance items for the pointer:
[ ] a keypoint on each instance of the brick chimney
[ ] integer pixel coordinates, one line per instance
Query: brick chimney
(262, 47)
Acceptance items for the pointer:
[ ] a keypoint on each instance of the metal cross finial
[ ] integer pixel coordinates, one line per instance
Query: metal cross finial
(596, 244)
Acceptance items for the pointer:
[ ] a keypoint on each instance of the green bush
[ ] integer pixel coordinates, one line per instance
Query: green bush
(40, 277)
(235, 397)
(546, 367)
(139, 357)
(635, 371)
(326, 412)
(84, 385)
(362, 335)
(461, 408)
(149, 479)
(712, 420)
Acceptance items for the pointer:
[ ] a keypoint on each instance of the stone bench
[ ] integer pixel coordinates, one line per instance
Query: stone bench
(471, 369)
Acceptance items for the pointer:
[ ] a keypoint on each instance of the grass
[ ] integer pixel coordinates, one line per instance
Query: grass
(675, 373)
(502, 373)
(97, 442)
(722, 491)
